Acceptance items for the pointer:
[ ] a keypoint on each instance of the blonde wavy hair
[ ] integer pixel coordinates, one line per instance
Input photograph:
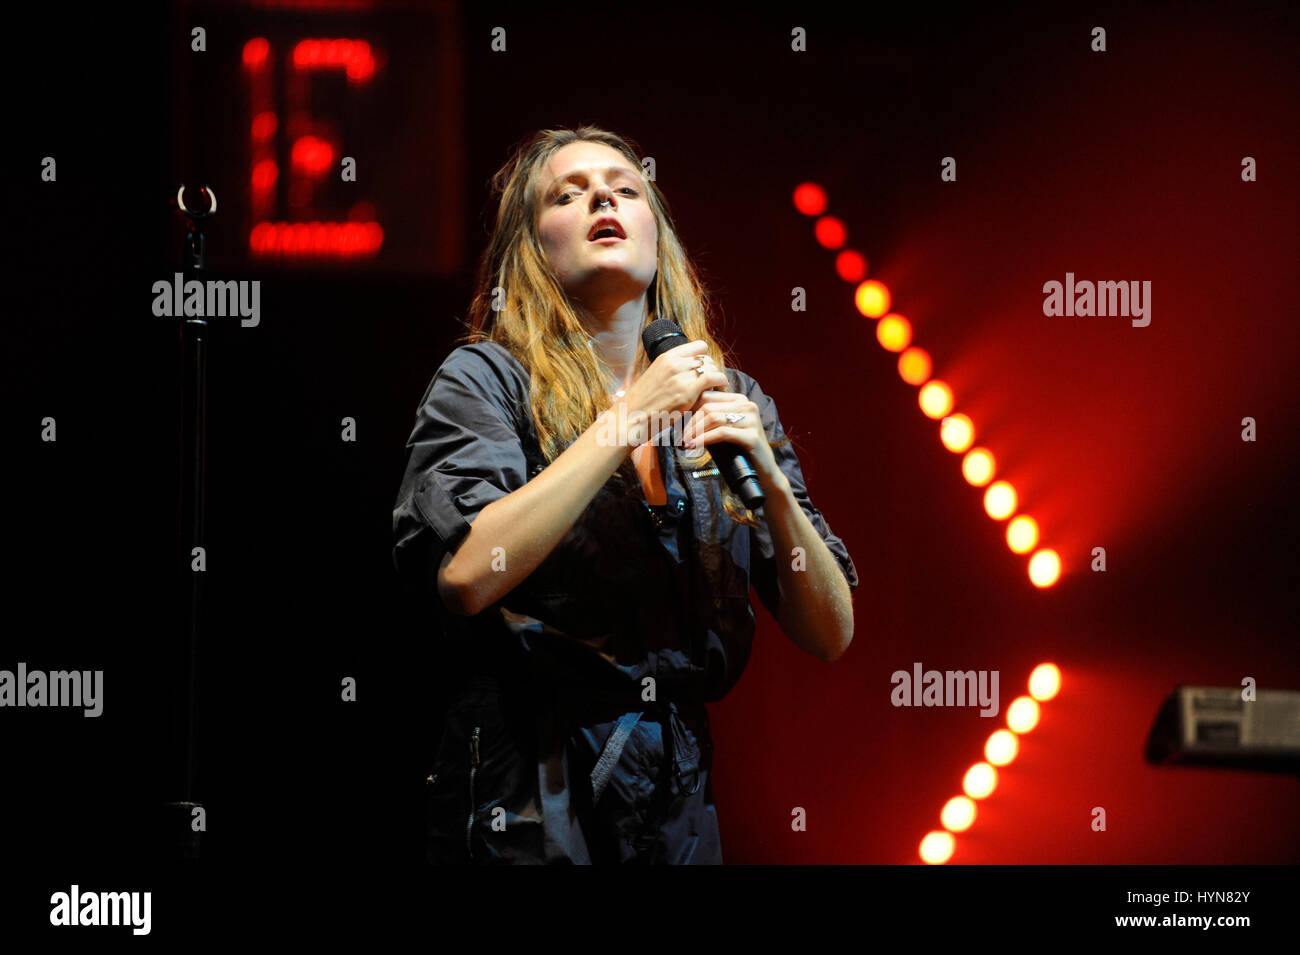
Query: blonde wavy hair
(519, 303)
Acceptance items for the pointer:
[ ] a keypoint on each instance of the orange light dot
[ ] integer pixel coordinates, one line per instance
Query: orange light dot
(1022, 534)
(830, 232)
(894, 332)
(980, 780)
(1001, 748)
(872, 298)
(936, 848)
(1000, 500)
(810, 198)
(978, 466)
(1045, 681)
(914, 366)
(1022, 714)
(1045, 568)
(851, 266)
(957, 432)
(958, 814)
(935, 399)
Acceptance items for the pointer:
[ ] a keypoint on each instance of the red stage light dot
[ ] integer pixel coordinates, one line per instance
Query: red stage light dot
(851, 266)
(361, 67)
(259, 237)
(830, 232)
(312, 155)
(810, 199)
(256, 52)
(264, 125)
(265, 173)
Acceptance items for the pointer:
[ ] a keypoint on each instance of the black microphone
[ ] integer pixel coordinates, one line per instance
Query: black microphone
(663, 334)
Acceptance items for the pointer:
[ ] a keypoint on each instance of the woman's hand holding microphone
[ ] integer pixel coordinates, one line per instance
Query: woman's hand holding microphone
(668, 389)
(671, 384)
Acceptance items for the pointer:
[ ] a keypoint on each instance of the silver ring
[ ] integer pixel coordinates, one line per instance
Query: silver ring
(698, 369)
(735, 418)
(195, 213)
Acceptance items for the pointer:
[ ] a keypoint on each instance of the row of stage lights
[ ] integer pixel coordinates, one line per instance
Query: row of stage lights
(956, 431)
(958, 813)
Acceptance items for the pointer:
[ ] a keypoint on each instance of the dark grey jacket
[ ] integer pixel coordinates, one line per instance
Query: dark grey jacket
(670, 590)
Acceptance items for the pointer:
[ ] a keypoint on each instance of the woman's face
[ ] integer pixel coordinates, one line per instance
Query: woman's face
(605, 273)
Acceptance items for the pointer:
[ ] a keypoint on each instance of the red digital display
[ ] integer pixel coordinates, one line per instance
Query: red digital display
(314, 149)
(333, 133)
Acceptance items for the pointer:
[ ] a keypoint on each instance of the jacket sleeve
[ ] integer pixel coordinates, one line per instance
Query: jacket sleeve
(465, 453)
(763, 571)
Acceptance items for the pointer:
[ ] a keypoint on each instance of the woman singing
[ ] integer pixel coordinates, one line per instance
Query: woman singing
(591, 596)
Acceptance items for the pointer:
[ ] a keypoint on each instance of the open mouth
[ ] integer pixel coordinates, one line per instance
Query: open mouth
(607, 228)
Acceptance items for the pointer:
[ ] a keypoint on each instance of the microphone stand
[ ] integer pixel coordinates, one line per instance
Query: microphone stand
(181, 838)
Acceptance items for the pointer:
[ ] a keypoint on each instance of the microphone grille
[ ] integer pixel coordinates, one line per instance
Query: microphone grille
(661, 335)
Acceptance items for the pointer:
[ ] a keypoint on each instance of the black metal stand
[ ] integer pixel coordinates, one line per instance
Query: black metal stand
(181, 837)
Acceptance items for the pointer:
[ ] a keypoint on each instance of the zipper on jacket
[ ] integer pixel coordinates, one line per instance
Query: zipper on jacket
(473, 768)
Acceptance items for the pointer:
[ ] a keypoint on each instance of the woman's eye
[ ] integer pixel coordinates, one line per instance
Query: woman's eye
(627, 189)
